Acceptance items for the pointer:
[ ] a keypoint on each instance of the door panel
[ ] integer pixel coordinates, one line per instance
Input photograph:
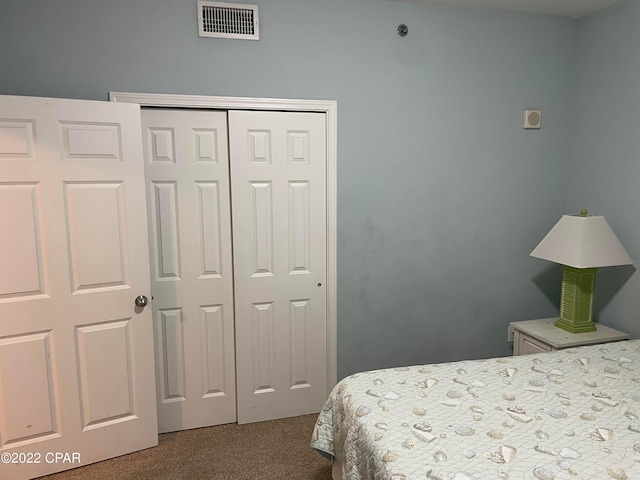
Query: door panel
(187, 174)
(27, 356)
(278, 172)
(95, 223)
(22, 242)
(75, 353)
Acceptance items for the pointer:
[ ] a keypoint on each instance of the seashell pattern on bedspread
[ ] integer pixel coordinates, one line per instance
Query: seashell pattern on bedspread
(571, 414)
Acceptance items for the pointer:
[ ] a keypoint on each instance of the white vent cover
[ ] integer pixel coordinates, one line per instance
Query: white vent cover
(228, 20)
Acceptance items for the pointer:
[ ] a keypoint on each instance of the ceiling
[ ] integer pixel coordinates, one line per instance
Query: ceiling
(568, 8)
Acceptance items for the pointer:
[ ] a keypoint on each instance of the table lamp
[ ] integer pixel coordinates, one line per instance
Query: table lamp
(581, 244)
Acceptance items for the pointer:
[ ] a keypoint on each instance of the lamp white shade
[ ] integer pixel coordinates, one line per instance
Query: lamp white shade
(582, 242)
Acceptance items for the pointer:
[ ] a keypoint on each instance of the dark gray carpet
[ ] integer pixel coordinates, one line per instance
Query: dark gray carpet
(278, 449)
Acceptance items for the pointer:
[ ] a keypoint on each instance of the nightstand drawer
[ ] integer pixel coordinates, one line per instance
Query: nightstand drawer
(525, 345)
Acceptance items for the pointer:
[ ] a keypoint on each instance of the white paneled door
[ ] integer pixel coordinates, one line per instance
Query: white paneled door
(76, 354)
(278, 185)
(266, 275)
(187, 172)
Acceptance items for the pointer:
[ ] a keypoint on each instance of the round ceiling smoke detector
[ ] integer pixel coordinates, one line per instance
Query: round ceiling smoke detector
(403, 30)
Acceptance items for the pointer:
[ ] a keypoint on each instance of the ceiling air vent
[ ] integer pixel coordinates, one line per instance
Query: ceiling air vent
(228, 20)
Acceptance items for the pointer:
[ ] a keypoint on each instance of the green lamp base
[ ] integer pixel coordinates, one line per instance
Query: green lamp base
(570, 327)
(576, 304)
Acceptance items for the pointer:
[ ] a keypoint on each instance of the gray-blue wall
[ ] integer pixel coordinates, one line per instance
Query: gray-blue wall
(604, 168)
(441, 193)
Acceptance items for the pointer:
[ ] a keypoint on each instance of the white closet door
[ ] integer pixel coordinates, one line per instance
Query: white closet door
(187, 171)
(278, 171)
(76, 355)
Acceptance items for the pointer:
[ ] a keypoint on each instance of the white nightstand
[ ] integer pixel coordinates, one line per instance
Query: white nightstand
(536, 336)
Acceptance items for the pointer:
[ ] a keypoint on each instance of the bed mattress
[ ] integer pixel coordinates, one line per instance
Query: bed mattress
(571, 414)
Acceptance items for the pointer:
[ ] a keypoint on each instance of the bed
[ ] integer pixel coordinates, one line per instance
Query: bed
(570, 414)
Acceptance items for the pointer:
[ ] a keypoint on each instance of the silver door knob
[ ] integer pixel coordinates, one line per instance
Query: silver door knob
(141, 301)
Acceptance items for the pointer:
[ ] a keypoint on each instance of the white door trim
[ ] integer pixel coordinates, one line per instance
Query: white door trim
(329, 108)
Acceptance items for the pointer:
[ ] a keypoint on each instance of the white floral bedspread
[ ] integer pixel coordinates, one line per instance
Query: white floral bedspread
(572, 414)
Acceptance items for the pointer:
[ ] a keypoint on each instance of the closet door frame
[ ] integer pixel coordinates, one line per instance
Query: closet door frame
(329, 108)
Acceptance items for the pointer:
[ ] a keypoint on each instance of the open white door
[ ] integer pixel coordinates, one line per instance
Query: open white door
(278, 185)
(187, 171)
(76, 354)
